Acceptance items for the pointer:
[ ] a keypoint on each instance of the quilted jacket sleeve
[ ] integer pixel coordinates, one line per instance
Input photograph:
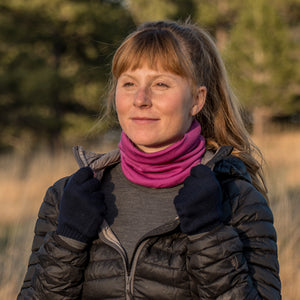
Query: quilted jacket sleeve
(237, 260)
(55, 269)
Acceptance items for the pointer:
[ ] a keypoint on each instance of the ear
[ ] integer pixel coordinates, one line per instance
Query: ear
(199, 100)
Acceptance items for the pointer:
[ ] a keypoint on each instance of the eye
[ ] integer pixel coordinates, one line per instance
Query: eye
(162, 85)
(128, 84)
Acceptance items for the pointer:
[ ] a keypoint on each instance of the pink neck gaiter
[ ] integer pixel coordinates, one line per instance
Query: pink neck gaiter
(165, 168)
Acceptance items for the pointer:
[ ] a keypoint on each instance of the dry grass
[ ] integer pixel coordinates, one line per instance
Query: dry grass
(26, 189)
(21, 195)
(282, 155)
(22, 192)
(281, 151)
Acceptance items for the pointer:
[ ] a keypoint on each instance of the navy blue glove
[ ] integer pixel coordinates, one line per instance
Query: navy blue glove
(199, 201)
(82, 207)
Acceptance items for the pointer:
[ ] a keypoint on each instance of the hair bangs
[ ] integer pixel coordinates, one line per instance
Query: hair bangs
(155, 48)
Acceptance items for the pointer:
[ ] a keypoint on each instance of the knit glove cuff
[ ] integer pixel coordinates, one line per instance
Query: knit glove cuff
(67, 231)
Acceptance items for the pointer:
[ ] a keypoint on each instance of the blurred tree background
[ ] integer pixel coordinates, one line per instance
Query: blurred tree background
(55, 60)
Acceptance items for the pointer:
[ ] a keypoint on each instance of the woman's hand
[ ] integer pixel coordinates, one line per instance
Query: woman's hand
(82, 207)
(199, 202)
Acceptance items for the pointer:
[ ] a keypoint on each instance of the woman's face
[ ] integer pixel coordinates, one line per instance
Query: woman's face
(156, 108)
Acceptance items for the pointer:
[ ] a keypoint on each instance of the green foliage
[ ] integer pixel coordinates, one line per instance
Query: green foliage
(155, 10)
(55, 60)
(259, 57)
(214, 14)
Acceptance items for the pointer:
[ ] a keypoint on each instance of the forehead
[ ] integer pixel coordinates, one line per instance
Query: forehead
(146, 71)
(156, 64)
(156, 49)
(148, 66)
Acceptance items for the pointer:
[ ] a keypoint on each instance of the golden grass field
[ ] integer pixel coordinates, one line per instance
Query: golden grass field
(21, 194)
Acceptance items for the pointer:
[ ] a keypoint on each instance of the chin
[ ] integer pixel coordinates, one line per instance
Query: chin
(143, 140)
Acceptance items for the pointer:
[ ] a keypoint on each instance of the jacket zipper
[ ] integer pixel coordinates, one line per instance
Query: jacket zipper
(109, 238)
(133, 265)
(142, 242)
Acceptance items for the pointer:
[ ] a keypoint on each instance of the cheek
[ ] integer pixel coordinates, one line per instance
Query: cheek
(120, 103)
(181, 107)
(120, 112)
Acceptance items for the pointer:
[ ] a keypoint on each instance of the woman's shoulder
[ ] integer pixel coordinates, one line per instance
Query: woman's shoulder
(57, 188)
(243, 200)
(228, 168)
(238, 190)
(52, 198)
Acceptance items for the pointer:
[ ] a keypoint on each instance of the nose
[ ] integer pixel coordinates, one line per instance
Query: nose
(142, 98)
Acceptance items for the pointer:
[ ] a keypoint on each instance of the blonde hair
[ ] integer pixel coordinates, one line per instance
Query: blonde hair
(189, 51)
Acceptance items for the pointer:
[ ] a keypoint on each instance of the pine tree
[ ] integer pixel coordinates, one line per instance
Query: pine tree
(259, 57)
(54, 58)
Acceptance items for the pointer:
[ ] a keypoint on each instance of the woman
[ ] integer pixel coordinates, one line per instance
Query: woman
(179, 211)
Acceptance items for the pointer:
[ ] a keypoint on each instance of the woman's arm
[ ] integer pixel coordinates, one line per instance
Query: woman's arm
(238, 260)
(55, 268)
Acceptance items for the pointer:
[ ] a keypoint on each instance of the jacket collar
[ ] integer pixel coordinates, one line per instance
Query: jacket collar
(221, 162)
(98, 162)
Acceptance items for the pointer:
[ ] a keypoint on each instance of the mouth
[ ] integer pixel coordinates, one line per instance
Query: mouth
(144, 120)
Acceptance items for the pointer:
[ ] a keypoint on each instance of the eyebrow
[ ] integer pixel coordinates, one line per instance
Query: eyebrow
(171, 76)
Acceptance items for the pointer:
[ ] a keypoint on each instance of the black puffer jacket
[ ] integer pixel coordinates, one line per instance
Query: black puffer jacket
(237, 260)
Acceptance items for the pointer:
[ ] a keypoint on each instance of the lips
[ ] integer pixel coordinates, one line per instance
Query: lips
(144, 120)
